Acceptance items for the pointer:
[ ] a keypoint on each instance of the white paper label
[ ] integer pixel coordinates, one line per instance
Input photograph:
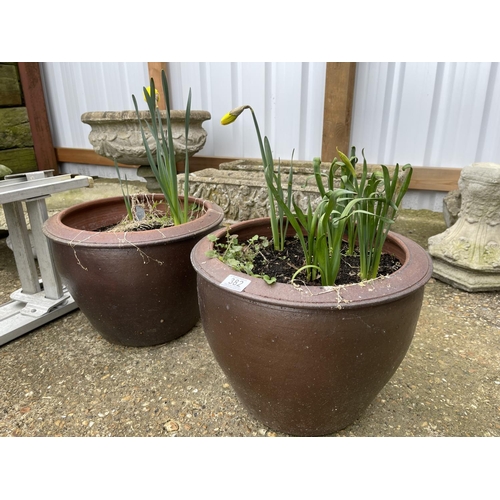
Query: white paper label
(235, 283)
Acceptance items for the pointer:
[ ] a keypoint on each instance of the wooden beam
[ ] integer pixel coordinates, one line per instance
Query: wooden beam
(89, 157)
(339, 94)
(154, 70)
(85, 156)
(435, 178)
(31, 82)
(425, 178)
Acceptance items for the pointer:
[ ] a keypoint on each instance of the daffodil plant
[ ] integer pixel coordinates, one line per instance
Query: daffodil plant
(359, 211)
(125, 193)
(273, 181)
(380, 196)
(163, 164)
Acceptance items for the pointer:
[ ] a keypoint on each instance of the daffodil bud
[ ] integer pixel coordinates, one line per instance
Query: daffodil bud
(233, 114)
(157, 94)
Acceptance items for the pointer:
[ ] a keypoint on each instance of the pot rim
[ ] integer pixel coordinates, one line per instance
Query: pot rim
(414, 273)
(57, 230)
(126, 116)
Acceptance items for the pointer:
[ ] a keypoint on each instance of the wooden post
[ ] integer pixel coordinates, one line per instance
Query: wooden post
(339, 93)
(31, 82)
(155, 69)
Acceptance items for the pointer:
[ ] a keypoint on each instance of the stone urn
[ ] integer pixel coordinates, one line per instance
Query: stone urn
(117, 135)
(467, 254)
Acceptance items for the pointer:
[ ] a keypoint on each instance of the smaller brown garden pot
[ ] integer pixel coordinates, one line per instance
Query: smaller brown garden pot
(308, 361)
(136, 288)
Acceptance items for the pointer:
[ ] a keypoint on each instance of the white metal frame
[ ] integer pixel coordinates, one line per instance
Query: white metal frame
(39, 300)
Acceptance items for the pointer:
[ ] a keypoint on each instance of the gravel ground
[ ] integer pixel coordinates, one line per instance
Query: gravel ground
(63, 379)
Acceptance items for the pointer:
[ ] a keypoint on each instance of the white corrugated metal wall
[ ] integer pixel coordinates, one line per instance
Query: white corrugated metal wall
(71, 89)
(426, 114)
(286, 97)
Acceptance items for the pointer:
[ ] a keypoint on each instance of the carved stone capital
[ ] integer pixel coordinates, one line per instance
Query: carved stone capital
(471, 246)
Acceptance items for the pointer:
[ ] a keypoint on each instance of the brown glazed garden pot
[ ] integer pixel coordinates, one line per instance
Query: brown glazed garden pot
(308, 361)
(136, 288)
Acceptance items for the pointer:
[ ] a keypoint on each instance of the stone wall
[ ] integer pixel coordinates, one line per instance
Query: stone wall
(16, 143)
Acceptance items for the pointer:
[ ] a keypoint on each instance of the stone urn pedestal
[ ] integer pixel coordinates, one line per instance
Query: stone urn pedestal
(117, 135)
(467, 254)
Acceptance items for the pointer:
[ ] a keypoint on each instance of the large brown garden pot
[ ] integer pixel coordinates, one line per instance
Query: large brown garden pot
(308, 361)
(136, 288)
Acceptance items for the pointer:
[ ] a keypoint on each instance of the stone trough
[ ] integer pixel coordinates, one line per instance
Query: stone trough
(239, 186)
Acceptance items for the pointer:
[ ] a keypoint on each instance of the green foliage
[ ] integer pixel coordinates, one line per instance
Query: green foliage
(125, 193)
(277, 211)
(380, 196)
(239, 255)
(163, 164)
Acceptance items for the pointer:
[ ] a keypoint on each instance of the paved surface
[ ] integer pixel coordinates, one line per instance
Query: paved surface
(63, 379)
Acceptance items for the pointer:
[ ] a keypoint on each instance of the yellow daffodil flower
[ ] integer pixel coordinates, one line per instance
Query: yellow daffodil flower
(233, 114)
(227, 119)
(157, 94)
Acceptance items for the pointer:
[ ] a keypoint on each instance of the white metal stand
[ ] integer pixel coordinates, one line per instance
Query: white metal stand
(39, 300)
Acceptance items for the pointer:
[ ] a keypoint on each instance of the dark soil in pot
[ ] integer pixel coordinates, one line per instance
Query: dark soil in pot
(136, 288)
(283, 265)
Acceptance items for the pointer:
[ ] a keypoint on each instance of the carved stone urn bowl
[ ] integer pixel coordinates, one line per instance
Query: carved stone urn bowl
(117, 135)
